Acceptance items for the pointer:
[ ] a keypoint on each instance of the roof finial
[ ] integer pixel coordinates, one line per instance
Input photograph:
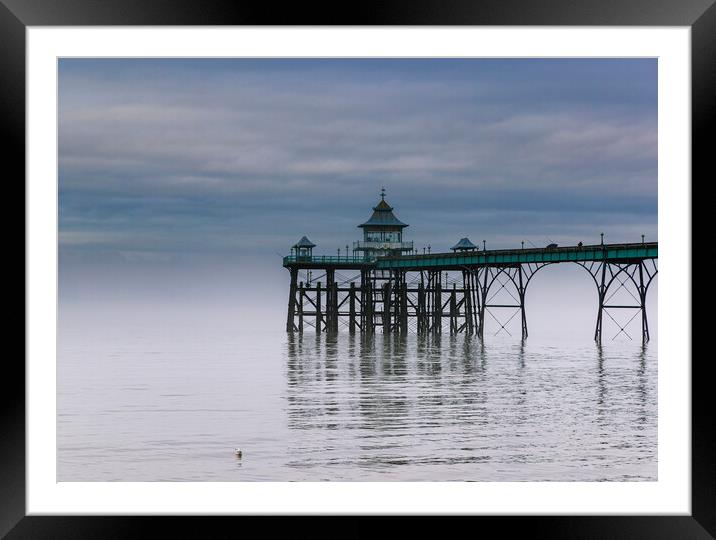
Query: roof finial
(382, 193)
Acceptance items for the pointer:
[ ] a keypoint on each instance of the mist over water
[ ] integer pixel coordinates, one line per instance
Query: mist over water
(164, 389)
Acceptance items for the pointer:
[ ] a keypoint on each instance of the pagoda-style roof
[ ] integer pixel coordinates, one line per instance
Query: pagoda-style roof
(463, 245)
(383, 216)
(304, 243)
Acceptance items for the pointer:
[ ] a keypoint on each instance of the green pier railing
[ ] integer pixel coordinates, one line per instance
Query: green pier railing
(599, 252)
(327, 259)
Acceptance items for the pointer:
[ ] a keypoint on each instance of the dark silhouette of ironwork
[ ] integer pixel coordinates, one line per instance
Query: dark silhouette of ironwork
(400, 291)
(456, 292)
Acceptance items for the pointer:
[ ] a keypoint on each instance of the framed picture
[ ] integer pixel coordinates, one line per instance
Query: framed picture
(205, 337)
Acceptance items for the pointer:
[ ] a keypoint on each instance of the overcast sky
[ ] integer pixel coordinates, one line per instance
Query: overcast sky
(163, 160)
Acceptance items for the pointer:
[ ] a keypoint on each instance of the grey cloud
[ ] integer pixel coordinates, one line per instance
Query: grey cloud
(250, 160)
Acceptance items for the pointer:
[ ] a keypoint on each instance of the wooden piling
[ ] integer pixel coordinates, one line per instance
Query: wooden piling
(319, 317)
(334, 307)
(290, 327)
(437, 304)
(404, 307)
(467, 300)
(301, 294)
(453, 309)
(352, 308)
(421, 308)
(330, 302)
(386, 308)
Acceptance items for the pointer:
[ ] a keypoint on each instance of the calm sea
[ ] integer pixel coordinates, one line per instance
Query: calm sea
(169, 402)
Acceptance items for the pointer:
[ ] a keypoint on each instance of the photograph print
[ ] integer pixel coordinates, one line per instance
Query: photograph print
(357, 270)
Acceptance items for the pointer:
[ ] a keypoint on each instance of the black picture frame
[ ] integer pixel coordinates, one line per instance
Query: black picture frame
(16, 15)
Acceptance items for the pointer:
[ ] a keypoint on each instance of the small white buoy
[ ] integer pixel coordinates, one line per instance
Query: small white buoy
(237, 452)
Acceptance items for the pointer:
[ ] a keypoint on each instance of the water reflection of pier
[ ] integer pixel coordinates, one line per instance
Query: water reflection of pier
(373, 381)
(378, 401)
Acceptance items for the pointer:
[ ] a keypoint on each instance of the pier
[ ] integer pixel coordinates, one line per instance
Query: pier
(393, 289)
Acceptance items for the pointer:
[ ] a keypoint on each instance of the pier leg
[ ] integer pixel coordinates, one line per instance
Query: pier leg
(352, 309)
(367, 304)
(483, 302)
(398, 303)
(364, 300)
(602, 289)
(386, 308)
(395, 300)
(430, 302)
(371, 309)
(421, 308)
(521, 293)
(438, 305)
(290, 326)
(430, 299)
(474, 290)
(453, 309)
(467, 300)
(642, 297)
(331, 304)
(334, 307)
(319, 315)
(404, 306)
(301, 294)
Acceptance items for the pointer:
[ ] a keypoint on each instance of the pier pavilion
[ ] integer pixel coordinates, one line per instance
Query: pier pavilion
(382, 233)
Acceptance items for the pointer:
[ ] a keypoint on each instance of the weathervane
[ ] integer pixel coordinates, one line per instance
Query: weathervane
(382, 193)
